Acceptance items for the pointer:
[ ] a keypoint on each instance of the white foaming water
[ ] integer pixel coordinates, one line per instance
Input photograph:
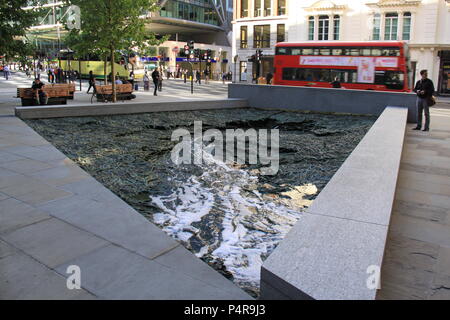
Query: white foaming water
(252, 225)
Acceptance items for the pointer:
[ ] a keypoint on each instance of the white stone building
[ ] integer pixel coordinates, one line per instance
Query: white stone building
(423, 24)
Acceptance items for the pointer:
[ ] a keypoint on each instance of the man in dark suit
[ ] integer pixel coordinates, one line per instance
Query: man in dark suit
(155, 77)
(424, 89)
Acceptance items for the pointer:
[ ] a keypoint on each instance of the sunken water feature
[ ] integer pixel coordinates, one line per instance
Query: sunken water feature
(230, 216)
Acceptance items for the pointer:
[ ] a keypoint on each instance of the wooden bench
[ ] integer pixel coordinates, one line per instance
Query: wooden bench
(56, 95)
(123, 92)
(69, 86)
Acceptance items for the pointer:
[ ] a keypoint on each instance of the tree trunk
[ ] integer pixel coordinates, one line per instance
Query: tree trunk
(105, 69)
(113, 78)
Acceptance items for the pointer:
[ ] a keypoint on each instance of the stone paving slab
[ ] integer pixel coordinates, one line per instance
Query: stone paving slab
(417, 254)
(53, 242)
(116, 273)
(15, 214)
(330, 261)
(52, 213)
(115, 222)
(23, 278)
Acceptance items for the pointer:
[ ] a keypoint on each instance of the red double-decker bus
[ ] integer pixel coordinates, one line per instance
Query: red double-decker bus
(382, 66)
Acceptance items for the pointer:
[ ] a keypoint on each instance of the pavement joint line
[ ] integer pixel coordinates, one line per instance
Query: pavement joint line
(24, 226)
(163, 252)
(345, 219)
(42, 264)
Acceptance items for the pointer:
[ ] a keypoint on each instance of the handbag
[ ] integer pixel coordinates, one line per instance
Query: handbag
(431, 101)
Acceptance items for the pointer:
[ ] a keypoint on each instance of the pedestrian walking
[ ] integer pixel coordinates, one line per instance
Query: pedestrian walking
(155, 77)
(185, 75)
(91, 82)
(198, 77)
(6, 72)
(424, 89)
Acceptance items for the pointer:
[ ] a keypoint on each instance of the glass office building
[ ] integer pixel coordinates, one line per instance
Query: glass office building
(201, 11)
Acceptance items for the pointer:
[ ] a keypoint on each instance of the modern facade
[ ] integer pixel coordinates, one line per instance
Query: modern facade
(207, 22)
(423, 24)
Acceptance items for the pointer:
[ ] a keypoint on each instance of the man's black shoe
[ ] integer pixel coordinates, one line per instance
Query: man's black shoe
(426, 129)
(417, 128)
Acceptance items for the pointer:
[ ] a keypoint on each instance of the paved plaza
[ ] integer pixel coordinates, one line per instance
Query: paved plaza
(173, 90)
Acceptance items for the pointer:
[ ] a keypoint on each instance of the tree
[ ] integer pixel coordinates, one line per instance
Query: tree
(84, 44)
(114, 25)
(14, 22)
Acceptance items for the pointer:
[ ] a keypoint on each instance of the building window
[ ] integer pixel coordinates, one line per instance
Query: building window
(244, 36)
(267, 8)
(261, 36)
(336, 27)
(244, 8)
(406, 34)
(324, 25)
(258, 8)
(281, 31)
(311, 28)
(376, 26)
(390, 26)
(281, 7)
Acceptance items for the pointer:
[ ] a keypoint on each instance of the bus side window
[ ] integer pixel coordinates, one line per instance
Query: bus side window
(379, 77)
(296, 52)
(282, 51)
(336, 52)
(376, 52)
(351, 76)
(324, 52)
(366, 52)
(394, 52)
(316, 51)
(288, 73)
(307, 51)
(354, 52)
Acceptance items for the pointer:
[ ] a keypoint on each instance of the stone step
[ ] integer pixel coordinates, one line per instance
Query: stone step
(62, 111)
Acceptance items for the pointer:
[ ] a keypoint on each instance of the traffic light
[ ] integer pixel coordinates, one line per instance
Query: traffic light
(189, 50)
(209, 54)
(259, 54)
(197, 53)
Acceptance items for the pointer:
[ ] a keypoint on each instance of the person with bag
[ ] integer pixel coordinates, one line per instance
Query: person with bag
(424, 89)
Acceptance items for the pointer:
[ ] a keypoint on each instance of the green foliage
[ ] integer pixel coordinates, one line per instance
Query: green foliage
(14, 22)
(111, 25)
(107, 24)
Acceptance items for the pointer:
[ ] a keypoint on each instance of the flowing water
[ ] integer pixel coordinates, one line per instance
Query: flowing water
(229, 215)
